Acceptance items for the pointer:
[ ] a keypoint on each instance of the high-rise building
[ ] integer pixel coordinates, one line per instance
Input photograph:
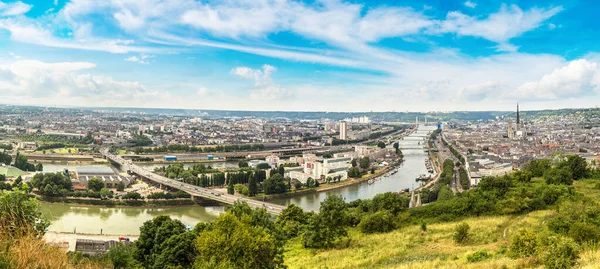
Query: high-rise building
(343, 130)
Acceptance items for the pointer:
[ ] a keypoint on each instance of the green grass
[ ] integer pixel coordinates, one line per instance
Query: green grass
(10, 171)
(409, 247)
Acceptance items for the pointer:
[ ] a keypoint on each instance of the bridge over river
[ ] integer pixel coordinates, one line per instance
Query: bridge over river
(193, 190)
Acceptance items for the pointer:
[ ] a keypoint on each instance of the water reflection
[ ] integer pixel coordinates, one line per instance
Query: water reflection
(121, 220)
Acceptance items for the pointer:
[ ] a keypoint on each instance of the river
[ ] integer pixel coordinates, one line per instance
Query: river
(119, 220)
(409, 170)
(127, 220)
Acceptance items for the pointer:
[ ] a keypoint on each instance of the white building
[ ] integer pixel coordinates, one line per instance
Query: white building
(343, 130)
(272, 160)
(321, 169)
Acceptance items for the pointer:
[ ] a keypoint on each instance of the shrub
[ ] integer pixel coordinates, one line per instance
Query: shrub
(423, 227)
(461, 233)
(523, 244)
(480, 255)
(378, 222)
(559, 252)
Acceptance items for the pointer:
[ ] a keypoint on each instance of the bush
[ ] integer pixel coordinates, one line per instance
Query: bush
(523, 244)
(558, 176)
(379, 222)
(461, 233)
(559, 252)
(480, 255)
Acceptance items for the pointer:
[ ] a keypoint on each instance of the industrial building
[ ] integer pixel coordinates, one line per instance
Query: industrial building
(82, 175)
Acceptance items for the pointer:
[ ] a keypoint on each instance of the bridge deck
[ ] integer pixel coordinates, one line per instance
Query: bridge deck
(189, 188)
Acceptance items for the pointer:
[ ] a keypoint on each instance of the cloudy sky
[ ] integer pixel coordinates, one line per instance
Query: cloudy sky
(321, 55)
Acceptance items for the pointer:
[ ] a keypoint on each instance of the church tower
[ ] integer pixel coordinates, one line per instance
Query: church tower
(518, 118)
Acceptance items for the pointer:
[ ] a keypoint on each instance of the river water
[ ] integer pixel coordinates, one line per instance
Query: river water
(119, 220)
(127, 220)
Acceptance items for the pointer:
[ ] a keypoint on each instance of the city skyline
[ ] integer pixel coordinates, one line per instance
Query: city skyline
(299, 56)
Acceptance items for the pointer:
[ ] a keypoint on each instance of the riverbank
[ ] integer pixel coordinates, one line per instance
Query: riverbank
(117, 203)
(328, 186)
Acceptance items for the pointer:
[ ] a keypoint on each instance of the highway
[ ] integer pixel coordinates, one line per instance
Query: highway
(189, 188)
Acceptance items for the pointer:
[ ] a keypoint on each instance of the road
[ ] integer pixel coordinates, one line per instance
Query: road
(189, 188)
(445, 153)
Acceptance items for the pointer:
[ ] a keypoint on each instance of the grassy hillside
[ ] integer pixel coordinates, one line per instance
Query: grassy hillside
(411, 247)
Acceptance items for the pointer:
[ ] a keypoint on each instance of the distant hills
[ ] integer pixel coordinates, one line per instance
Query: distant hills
(316, 115)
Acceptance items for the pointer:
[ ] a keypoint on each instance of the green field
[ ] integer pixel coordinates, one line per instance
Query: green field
(10, 171)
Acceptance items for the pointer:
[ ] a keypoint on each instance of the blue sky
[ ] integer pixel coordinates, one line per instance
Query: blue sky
(326, 55)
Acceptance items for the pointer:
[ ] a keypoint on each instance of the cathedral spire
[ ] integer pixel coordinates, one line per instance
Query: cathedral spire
(518, 119)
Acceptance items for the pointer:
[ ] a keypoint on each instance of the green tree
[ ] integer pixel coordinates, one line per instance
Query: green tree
(558, 176)
(263, 166)
(153, 234)
(230, 187)
(538, 167)
(559, 252)
(461, 233)
(523, 244)
(577, 165)
(378, 222)
(389, 201)
(121, 256)
(353, 162)
(51, 184)
(252, 186)
(39, 167)
(365, 162)
(327, 226)
(178, 251)
(132, 196)
(243, 164)
(95, 184)
(5, 158)
(354, 172)
(381, 144)
(275, 184)
(523, 175)
(104, 192)
(292, 220)
(234, 243)
(25, 214)
(22, 163)
(120, 186)
(445, 193)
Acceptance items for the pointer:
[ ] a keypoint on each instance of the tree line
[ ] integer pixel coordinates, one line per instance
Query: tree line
(187, 148)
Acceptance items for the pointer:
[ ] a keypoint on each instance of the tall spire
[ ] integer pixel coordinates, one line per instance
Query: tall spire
(518, 119)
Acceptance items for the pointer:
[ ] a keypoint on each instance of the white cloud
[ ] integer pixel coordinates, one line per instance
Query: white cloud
(14, 8)
(480, 91)
(264, 88)
(577, 79)
(499, 27)
(470, 4)
(132, 59)
(143, 59)
(64, 79)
